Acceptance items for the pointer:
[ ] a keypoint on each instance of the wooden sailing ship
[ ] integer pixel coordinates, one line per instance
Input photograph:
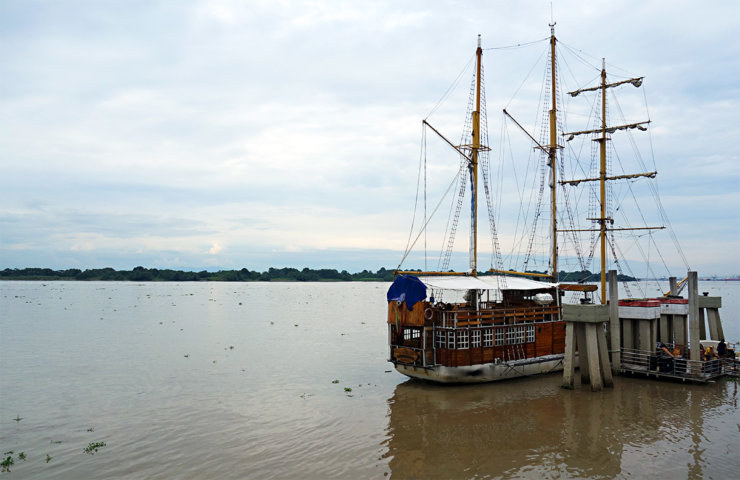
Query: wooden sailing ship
(498, 325)
(478, 340)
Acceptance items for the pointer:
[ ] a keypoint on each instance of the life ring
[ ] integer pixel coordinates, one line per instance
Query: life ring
(428, 313)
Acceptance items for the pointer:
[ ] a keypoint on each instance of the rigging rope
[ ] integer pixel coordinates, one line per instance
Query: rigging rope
(525, 78)
(422, 154)
(485, 166)
(450, 88)
(447, 255)
(423, 228)
(466, 134)
(517, 45)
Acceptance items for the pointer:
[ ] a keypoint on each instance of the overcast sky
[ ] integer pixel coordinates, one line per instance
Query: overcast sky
(228, 134)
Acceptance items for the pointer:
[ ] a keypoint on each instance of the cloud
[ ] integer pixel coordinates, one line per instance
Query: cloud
(141, 135)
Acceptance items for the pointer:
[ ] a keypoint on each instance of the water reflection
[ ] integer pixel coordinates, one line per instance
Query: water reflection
(533, 428)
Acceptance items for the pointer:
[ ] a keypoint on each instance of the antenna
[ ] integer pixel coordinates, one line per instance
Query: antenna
(552, 19)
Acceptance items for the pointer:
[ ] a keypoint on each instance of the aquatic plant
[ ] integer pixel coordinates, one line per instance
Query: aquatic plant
(335, 381)
(22, 456)
(93, 447)
(48, 458)
(347, 389)
(6, 464)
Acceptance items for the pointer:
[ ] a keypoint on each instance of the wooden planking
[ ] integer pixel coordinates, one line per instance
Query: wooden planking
(476, 355)
(558, 337)
(401, 314)
(543, 338)
(406, 355)
(488, 355)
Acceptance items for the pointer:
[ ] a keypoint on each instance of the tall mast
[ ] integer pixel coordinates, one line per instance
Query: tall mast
(603, 130)
(474, 163)
(602, 181)
(552, 153)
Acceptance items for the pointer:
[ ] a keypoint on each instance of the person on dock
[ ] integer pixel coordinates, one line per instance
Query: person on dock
(709, 353)
(722, 349)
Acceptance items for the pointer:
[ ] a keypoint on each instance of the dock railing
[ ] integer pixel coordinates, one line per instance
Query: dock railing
(660, 364)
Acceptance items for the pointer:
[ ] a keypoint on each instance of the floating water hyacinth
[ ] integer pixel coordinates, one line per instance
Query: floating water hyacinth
(92, 448)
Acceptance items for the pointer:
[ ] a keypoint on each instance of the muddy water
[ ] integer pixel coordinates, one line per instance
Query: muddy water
(252, 380)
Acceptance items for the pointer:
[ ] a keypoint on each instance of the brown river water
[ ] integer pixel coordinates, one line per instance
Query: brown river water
(291, 380)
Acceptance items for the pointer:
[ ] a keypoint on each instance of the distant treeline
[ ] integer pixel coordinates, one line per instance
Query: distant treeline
(141, 274)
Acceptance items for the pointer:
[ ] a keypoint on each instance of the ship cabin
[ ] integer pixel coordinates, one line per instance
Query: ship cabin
(465, 321)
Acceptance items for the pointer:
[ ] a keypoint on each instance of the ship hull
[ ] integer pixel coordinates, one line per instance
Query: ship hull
(484, 373)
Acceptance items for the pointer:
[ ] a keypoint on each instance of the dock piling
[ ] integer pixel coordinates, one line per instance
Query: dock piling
(615, 331)
(585, 325)
(694, 319)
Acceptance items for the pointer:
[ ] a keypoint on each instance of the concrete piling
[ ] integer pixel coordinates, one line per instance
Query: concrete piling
(636, 327)
(615, 333)
(585, 324)
(694, 319)
(711, 306)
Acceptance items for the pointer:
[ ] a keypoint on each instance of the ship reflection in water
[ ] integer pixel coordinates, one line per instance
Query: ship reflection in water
(533, 428)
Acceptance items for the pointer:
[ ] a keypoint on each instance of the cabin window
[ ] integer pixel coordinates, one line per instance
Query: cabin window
(441, 339)
(499, 336)
(411, 333)
(475, 339)
(451, 339)
(520, 334)
(488, 337)
(510, 336)
(530, 333)
(462, 340)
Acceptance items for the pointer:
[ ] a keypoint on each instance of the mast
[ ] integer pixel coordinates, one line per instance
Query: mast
(552, 153)
(470, 152)
(603, 130)
(474, 164)
(602, 181)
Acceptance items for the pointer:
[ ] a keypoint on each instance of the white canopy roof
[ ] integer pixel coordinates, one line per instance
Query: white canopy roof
(484, 283)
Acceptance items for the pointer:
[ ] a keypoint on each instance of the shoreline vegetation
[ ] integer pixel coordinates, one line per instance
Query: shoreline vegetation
(141, 274)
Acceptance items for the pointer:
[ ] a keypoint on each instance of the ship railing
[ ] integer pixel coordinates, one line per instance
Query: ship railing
(467, 318)
(662, 364)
